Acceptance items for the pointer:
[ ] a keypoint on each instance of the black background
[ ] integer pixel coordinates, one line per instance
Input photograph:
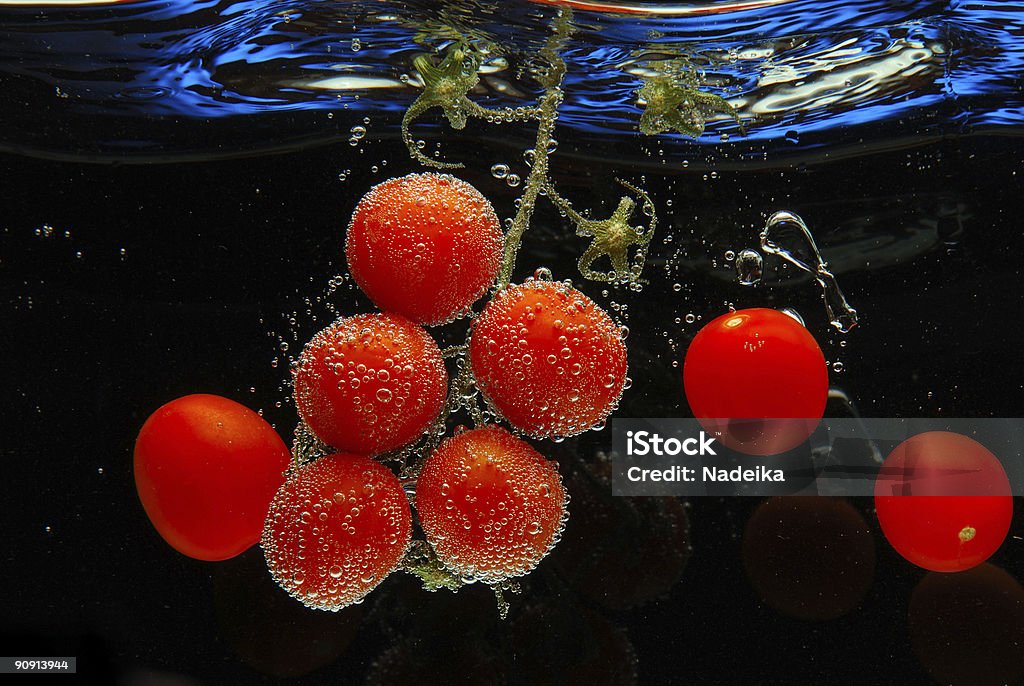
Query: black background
(216, 251)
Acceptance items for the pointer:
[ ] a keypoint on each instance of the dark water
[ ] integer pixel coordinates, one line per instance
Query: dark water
(172, 212)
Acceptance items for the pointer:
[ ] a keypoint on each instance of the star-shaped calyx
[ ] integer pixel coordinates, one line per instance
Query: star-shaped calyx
(445, 85)
(676, 104)
(614, 237)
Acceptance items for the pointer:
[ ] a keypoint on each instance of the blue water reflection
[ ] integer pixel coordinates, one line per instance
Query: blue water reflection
(143, 76)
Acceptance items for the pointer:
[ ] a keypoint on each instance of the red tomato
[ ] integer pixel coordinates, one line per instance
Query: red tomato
(943, 533)
(370, 383)
(548, 359)
(759, 365)
(206, 469)
(490, 505)
(425, 246)
(336, 528)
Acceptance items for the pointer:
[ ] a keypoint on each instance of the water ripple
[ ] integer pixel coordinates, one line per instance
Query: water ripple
(143, 76)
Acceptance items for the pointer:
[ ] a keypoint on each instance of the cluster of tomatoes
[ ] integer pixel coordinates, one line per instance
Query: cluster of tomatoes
(547, 360)
(424, 248)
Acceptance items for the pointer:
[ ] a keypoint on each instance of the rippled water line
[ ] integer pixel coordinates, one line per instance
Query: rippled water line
(660, 10)
(910, 69)
(62, 3)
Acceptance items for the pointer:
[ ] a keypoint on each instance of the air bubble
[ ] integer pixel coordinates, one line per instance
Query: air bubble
(786, 235)
(749, 267)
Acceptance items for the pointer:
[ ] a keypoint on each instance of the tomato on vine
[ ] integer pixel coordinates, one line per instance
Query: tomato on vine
(336, 528)
(490, 505)
(370, 383)
(548, 358)
(425, 246)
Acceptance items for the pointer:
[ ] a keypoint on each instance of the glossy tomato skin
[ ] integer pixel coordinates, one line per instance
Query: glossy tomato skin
(756, 364)
(370, 383)
(205, 470)
(425, 246)
(548, 359)
(944, 521)
(336, 528)
(490, 505)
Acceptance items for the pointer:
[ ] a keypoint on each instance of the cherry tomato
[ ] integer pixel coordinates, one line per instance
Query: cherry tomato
(943, 533)
(205, 470)
(548, 359)
(490, 505)
(335, 529)
(757, 379)
(370, 383)
(425, 246)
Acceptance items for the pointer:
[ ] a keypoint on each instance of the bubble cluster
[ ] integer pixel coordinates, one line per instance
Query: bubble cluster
(490, 505)
(548, 359)
(335, 529)
(370, 383)
(425, 246)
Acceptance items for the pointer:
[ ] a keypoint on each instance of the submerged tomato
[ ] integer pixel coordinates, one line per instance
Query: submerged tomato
(370, 383)
(491, 506)
(944, 501)
(761, 365)
(425, 246)
(335, 529)
(206, 469)
(548, 359)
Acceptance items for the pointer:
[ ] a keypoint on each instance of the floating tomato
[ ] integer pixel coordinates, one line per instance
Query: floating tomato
(943, 501)
(335, 529)
(756, 379)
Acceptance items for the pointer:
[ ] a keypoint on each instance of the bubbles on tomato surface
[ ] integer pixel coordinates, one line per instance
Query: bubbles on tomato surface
(370, 383)
(425, 246)
(490, 505)
(548, 359)
(336, 528)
